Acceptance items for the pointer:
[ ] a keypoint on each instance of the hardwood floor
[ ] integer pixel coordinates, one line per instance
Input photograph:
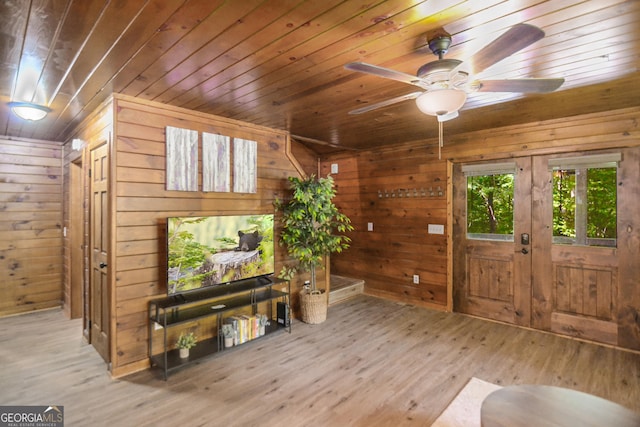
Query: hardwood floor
(372, 363)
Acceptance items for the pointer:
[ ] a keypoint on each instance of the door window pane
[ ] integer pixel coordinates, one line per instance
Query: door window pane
(584, 206)
(490, 206)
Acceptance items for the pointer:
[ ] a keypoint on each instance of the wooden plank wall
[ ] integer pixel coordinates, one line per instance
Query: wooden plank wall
(142, 205)
(30, 225)
(400, 190)
(399, 245)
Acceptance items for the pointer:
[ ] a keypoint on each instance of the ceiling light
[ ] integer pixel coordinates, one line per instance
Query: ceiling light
(29, 111)
(444, 104)
(440, 102)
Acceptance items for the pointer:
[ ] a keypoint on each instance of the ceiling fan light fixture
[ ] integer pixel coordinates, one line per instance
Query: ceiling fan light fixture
(29, 111)
(441, 102)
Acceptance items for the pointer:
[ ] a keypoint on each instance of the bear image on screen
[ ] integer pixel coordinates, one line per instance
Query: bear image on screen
(214, 250)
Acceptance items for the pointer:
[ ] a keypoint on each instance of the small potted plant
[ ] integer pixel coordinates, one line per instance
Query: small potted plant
(185, 342)
(227, 333)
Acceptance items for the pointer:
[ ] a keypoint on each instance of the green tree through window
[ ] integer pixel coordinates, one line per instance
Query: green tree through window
(584, 206)
(490, 205)
(584, 200)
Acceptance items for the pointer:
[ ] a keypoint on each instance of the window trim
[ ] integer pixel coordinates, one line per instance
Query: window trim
(484, 169)
(592, 161)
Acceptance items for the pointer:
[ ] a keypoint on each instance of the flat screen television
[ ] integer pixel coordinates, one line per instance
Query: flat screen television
(209, 251)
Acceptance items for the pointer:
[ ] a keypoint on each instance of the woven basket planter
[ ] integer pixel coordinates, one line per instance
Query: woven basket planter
(313, 306)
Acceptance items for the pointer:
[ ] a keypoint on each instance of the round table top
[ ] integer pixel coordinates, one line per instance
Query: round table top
(541, 406)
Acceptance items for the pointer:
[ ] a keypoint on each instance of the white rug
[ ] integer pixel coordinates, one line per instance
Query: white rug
(464, 409)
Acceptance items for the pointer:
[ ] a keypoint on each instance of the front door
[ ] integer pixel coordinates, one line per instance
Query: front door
(536, 240)
(492, 258)
(576, 263)
(99, 237)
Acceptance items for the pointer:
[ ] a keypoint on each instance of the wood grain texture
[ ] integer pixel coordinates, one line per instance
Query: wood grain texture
(30, 225)
(399, 246)
(281, 63)
(142, 205)
(216, 162)
(628, 302)
(372, 363)
(94, 131)
(245, 164)
(182, 159)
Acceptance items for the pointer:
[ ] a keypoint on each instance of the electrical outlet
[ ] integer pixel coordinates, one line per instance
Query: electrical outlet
(369, 226)
(334, 168)
(416, 279)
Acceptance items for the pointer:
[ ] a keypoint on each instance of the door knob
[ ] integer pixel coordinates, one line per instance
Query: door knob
(524, 251)
(103, 264)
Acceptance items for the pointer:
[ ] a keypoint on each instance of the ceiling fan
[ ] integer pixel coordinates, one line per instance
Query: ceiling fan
(446, 82)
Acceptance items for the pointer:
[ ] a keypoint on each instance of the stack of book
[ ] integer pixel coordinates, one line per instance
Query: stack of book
(246, 327)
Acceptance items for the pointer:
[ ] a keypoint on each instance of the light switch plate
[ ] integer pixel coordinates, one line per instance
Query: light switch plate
(436, 229)
(369, 226)
(334, 168)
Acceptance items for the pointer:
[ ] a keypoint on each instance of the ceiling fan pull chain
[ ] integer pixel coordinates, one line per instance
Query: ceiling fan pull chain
(439, 140)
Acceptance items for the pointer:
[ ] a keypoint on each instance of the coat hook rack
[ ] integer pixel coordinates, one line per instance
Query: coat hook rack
(408, 193)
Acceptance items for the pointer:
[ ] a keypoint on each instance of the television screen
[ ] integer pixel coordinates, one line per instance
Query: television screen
(213, 250)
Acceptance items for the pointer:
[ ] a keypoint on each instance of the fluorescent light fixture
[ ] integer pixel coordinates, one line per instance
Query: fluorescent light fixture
(29, 111)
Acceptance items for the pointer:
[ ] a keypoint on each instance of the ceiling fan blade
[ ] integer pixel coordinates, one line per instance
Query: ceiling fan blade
(391, 101)
(382, 72)
(520, 85)
(516, 38)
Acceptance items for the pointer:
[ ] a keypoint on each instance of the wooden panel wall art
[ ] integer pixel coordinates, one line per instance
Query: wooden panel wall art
(245, 159)
(182, 159)
(216, 158)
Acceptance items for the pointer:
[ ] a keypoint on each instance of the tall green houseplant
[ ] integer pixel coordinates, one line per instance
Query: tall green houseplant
(310, 223)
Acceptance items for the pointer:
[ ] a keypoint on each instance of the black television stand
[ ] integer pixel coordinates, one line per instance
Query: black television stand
(240, 302)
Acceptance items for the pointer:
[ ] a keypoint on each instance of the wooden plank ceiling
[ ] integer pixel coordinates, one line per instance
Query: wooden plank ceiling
(281, 63)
